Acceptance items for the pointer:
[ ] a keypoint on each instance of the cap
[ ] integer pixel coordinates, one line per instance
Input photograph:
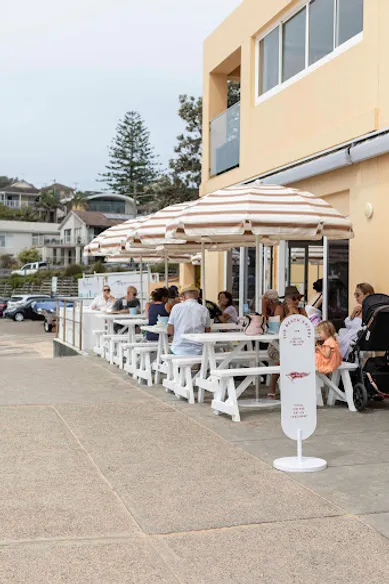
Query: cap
(192, 288)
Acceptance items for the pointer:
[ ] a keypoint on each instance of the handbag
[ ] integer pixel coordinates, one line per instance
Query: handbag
(255, 324)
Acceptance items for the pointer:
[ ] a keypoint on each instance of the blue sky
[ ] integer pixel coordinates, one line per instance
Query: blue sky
(70, 70)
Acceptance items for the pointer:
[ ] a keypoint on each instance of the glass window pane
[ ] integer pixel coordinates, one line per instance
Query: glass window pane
(350, 19)
(269, 61)
(293, 50)
(321, 29)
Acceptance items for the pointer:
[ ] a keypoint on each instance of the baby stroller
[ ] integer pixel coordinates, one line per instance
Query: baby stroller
(371, 380)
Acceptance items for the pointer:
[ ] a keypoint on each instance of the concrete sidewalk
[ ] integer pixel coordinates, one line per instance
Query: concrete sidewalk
(104, 482)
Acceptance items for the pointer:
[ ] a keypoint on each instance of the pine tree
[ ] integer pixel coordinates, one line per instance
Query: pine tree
(186, 166)
(132, 160)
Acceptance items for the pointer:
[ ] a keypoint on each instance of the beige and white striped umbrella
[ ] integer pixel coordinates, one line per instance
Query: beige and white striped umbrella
(242, 214)
(152, 231)
(112, 241)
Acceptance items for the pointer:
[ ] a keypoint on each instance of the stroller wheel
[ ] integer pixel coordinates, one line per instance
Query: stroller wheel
(360, 396)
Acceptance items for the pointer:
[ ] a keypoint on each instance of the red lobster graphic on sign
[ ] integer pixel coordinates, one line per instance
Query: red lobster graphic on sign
(297, 375)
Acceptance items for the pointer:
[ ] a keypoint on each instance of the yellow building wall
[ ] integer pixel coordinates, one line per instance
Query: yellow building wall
(349, 190)
(343, 99)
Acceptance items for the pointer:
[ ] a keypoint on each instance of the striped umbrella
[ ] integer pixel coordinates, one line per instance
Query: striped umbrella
(239, 215)
(152, 231)
(256, 214)
(112, 241)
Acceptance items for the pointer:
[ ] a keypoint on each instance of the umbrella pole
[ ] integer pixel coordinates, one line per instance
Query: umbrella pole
(141, 284)
(166, 270)
(325, 279)
(203, 271)
(258, 274)
(258, 298)
(242, 257)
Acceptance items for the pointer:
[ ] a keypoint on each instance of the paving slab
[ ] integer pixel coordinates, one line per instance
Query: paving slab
(321, 551)
(65, 380)
(380, 522)
(175, 475)
(357, 489)
(92, 562)
(337, 449)
(258, 424)
(49, 487)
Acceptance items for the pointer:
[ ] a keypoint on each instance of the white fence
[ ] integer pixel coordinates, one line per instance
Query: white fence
(92, 285)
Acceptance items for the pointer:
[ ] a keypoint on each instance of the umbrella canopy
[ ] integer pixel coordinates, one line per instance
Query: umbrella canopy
(152, 231)
(112, 241)
(242, 214)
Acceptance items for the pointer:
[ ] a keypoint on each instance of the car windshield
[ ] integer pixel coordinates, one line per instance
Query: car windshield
(16, 299)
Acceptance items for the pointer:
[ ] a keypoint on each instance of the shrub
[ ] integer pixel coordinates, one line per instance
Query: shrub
(7, 261)
(26, 256)
(73, 270)
(99, 268)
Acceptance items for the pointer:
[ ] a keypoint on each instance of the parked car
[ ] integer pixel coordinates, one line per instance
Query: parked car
(22, 307)
(48, 309)
(29, 269)
(3, 305)
(21, 298)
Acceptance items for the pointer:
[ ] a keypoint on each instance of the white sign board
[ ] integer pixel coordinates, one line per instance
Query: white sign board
(89, 287)
(298, 391)
(54, 284)
(298, 377)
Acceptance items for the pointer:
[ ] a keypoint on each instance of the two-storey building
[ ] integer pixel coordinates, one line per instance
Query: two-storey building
(313, 113)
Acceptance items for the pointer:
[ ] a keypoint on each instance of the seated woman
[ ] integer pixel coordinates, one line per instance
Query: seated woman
(316, 300)
(289, 306)
(229, 313)
(313, 308)
(353, 323)
(173, 298)
(270, 303)
(156, 309)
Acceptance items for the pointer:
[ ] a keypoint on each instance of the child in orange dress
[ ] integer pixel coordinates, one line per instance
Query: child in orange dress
(328, 355)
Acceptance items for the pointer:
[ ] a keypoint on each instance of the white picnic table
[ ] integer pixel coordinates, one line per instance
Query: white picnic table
(110, 317)
(163, 348)
(209, 356)
(116, 342)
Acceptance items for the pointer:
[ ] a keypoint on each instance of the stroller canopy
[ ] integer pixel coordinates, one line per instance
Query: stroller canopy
(371, 304)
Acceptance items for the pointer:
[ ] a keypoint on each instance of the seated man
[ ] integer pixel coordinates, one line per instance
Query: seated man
(185, 318)
(105, 302)
(123, 305)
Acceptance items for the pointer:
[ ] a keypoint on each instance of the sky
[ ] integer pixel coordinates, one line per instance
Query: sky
(71, 69)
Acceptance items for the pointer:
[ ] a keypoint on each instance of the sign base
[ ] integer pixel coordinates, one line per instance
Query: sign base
(259, 403)
(300, 464)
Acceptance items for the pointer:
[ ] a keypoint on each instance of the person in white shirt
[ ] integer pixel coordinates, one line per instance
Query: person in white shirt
(185, 318)
(105, 302)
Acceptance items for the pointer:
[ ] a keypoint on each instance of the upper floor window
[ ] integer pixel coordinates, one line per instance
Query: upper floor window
(303, 39)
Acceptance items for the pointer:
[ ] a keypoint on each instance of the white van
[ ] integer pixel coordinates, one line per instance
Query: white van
(29, 269)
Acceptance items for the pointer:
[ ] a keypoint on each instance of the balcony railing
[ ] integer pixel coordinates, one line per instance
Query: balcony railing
(16, 204)
(225, 140)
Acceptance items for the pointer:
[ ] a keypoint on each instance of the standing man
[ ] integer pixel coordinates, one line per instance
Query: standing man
(185, 318)
(105, 302)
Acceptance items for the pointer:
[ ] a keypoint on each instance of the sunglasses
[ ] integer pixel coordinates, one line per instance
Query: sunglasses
(106, 290)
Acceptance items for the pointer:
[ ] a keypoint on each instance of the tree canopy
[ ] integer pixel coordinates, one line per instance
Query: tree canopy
(186, 165)
(29, 255)
(132, 163)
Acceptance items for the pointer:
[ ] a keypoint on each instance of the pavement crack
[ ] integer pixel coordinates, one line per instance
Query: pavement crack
(97, 468)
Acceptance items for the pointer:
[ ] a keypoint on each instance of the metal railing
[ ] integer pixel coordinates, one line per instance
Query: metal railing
(69, 320)
(225, 141)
